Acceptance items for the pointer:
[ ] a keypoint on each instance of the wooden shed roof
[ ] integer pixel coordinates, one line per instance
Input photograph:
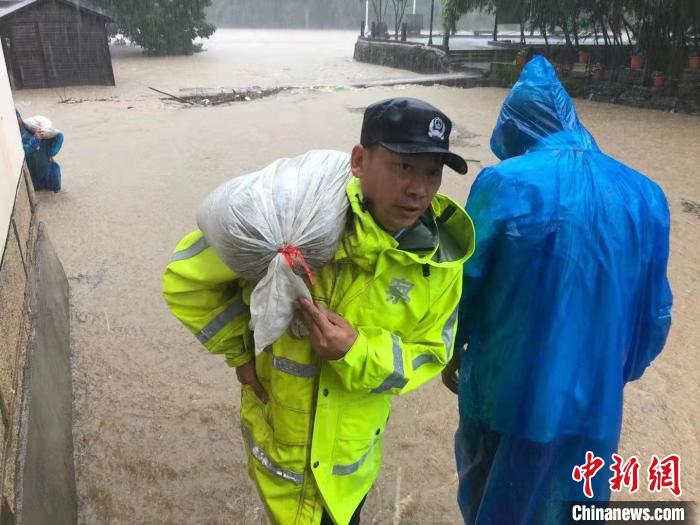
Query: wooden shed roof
(10, 7)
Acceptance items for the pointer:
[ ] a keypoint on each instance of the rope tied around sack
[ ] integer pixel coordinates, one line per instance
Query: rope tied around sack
(292, 255)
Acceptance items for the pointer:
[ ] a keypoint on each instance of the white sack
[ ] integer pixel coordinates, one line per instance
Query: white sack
(298, 202)
(39, 122)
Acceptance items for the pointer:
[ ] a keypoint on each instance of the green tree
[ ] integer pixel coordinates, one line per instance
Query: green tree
(454, 9)
(380, 8)
(664, 31)
(161, 26)
(399, 11)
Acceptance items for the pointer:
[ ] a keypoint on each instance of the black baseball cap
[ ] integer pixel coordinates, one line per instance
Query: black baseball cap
(410, 126)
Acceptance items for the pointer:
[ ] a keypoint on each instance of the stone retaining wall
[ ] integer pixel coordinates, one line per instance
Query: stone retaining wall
(412, 57)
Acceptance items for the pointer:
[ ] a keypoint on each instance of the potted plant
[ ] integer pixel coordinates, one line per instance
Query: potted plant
(658, 79)
(523, 56)
(598, 72)
(637, 61)
(584, 57)
(694, 59)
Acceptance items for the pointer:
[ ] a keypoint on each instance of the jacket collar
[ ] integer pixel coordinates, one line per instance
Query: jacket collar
(442, 237)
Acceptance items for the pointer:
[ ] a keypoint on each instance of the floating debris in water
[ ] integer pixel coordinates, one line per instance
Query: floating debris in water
(691, 207)
(71, 100)
(216, 97)
(460, 138)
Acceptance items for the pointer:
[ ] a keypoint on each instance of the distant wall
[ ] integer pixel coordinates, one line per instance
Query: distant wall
(412, 57)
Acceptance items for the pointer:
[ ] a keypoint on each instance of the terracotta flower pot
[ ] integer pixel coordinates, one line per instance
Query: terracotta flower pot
(637, 62)
(694, 62)
(584, 57)
(598, 74)
(659, 81)
(521, 60)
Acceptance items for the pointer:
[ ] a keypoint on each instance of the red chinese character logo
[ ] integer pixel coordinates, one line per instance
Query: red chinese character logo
(665, 474)
(624, 474)
(586, 471)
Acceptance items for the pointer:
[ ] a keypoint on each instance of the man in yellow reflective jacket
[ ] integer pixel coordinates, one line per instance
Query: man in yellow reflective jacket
(382, 321)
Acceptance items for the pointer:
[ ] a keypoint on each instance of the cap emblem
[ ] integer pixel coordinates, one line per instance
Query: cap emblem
(436, 130)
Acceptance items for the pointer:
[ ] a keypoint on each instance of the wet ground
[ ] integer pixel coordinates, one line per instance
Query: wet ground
(156, 433)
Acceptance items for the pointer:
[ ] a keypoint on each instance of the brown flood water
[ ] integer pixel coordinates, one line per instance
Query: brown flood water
(156, 433)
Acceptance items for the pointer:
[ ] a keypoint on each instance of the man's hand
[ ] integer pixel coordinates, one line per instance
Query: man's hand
(247, 376)
(330, 334)
(450, 374)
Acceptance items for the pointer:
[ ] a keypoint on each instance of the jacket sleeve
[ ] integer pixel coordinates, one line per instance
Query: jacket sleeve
(55, 145)
(30, 143)
(381, 362)
(207, 297)
(654, 320)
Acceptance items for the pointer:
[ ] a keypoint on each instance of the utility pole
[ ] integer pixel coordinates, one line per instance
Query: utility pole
(495, 26)
(414, 7)
(432, 8)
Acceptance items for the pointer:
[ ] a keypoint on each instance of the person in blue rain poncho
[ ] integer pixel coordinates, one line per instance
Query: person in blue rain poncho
(39, 152)
(565, 300)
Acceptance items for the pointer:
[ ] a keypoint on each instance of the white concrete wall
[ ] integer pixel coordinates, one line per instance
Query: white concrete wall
(11, 153)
